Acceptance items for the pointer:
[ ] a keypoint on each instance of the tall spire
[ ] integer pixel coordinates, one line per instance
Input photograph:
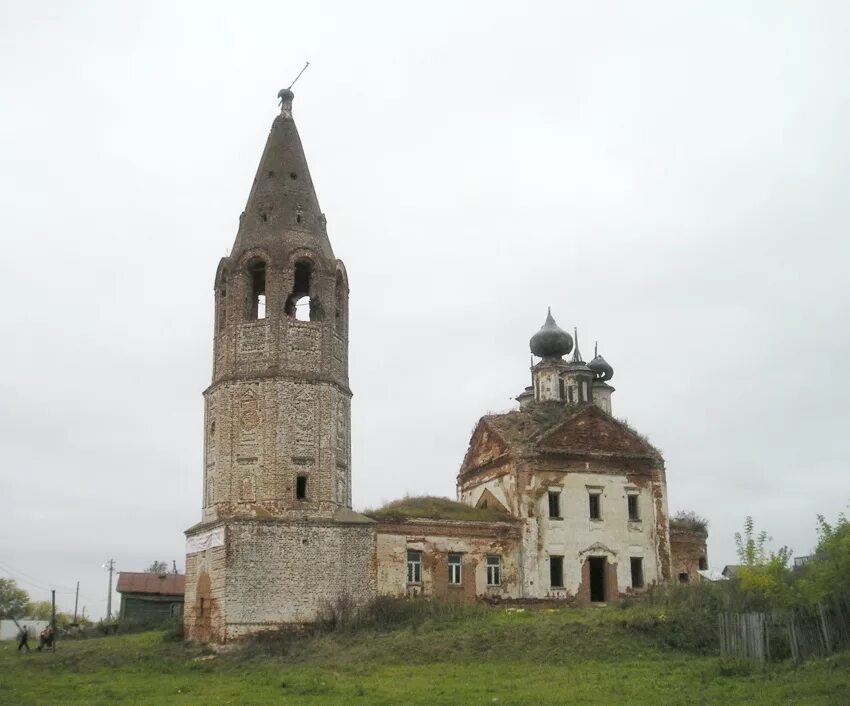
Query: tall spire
(282, 211)
(576, 353)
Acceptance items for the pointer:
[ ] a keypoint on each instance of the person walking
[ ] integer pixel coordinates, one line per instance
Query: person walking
(46, 638)
(23, 638)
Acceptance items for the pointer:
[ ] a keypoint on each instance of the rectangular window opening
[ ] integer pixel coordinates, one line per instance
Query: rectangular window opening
(494, 571)
(703, 564)
(684, 578)
(556, 571)
(454, 569)
(554, 504)
(637, 572)
(634, 515)
(414, 566)
(595, 506)
(301, 488)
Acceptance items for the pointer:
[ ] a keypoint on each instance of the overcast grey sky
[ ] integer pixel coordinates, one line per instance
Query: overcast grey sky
(671, 177)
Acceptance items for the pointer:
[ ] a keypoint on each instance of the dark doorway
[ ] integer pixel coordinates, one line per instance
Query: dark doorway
(597, 578)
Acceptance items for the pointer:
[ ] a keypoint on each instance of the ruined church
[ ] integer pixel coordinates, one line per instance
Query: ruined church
(556, 500)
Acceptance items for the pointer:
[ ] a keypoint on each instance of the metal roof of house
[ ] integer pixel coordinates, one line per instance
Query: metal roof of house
(145, 582)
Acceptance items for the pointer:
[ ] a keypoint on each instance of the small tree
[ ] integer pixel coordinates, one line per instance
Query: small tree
(158, 567)
(764, 574)
(13, 600)
(751, 547)
(40, 610)
(828, 573)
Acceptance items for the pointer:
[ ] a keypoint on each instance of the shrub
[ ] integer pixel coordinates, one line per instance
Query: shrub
(173, 630)
(689, 521)
(386, 613)
(107, 626)
(677, 628)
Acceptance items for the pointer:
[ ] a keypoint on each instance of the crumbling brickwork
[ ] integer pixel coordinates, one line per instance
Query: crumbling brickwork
(689, 553)
(437, 541)
(581, 499)
(573, 452)
(277, 419)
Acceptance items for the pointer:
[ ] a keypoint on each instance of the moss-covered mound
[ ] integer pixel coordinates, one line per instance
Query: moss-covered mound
(434, 508)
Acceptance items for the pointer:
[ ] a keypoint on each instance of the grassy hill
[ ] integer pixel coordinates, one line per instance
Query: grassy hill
(478, 656)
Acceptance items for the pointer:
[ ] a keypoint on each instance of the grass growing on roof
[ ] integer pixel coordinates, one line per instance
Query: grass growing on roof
(435, 508)
(689, 521)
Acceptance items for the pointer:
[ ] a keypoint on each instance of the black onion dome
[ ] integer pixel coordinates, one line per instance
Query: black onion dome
(601, 367)
(551, 341)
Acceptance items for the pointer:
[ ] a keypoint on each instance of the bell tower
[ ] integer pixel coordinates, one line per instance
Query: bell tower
(277, 414)
(277, 539)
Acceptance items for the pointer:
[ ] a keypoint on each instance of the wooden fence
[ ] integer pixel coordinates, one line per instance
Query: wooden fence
(798, 634)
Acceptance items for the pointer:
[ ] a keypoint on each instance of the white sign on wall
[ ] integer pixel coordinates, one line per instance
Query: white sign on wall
(206, 540)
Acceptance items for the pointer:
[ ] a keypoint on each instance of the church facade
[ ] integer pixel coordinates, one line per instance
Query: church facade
(557, 500)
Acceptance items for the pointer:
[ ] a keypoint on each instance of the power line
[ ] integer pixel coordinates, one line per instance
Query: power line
(27, 578)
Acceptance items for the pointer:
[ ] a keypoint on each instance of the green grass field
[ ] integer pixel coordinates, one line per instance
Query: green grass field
(492, 657)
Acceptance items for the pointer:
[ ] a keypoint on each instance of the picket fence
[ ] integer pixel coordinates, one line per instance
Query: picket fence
(798, 634)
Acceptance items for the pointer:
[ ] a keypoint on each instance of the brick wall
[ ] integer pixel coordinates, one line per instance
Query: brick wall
(687, 548)
(436, 539)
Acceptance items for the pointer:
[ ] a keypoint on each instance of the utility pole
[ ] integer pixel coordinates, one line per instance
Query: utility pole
(76, 602)
(53, 620)
(111, 566)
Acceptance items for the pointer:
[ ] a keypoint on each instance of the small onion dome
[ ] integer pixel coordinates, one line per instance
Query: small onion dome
(551, 341)
(601, 367)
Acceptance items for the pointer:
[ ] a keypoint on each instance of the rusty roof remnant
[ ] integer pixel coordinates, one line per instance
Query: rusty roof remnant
(524, 429)
(146, 582)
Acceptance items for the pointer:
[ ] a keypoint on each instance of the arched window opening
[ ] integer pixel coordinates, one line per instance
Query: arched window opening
(340, 319)
(257, 284)
(302, 309)
(301, 304)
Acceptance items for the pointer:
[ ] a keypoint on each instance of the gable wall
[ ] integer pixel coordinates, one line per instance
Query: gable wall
(593, 430)
(499, 480)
